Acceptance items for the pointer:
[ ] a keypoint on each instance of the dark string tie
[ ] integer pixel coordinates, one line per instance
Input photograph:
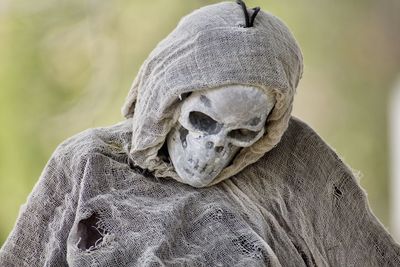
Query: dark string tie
(249, 20)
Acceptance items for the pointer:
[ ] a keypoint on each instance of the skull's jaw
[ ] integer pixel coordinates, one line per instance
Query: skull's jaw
(198, 170)
(195, 179)
(194, 165)
(195, 173)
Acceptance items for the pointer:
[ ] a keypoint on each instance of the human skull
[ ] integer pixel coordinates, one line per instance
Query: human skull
(212, 127)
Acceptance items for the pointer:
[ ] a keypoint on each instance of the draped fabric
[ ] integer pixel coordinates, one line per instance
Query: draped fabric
(107, 198)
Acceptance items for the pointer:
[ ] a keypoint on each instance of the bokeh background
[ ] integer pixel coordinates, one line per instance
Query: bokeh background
(67, 65)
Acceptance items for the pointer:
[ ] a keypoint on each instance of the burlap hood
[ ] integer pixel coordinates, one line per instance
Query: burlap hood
(210, 48)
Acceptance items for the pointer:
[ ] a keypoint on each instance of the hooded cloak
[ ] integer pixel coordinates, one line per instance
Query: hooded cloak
(211, 48)
(107, 198)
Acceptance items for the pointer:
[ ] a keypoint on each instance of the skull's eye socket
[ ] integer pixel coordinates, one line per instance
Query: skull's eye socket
(203, 122)
(243, 135)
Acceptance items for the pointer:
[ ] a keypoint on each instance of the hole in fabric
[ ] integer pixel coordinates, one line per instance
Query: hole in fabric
(338, 192)
(163, 153)
(221, 215)
(89, 233)
(137, 169)
(248, 247)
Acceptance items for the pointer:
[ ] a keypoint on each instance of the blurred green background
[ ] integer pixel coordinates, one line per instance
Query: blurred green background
(67, 65)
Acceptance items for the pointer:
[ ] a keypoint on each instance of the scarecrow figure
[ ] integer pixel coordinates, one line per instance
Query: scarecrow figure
(208, 169)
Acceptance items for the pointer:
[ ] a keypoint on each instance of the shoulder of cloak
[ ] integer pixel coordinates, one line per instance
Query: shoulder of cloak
(301, 157)
(112, 141)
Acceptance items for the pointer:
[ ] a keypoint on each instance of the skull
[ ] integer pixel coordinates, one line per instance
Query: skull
(213, 126)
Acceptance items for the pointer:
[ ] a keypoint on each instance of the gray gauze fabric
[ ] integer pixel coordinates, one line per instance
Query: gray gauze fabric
(107, 197)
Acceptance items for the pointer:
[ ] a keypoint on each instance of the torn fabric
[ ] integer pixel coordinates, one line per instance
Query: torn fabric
(106, 198)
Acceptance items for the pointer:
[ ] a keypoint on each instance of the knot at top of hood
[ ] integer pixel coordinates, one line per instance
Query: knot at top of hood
(249, 20)
(211, 48)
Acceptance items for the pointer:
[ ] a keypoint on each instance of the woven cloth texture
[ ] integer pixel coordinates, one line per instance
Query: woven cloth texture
(106, 199)
(299, 205)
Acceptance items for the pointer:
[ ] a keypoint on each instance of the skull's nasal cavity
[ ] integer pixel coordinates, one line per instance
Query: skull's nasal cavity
(210, 145)
(90, 234)
(219, 149)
